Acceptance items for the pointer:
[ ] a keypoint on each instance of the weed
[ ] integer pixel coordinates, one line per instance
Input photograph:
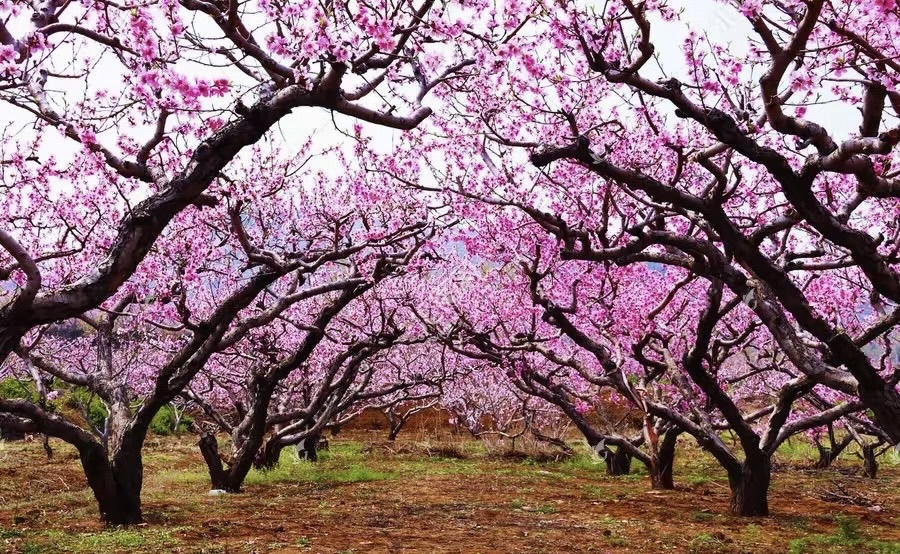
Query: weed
(752, 532)
(10, 533)
(597, 492)
(112, 540)
(847, 537)
(704, 543)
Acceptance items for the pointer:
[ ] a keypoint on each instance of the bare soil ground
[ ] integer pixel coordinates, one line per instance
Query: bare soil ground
(409, 499)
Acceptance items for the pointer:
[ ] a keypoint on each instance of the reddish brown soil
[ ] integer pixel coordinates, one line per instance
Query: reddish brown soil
(479, 505)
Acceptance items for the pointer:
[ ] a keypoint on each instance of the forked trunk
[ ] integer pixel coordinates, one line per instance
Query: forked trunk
(308, 449)
(116, 485)
(750, 489)
(394, 432)
(828, 454)
(618, 462)
(209, 448)
(270, 455)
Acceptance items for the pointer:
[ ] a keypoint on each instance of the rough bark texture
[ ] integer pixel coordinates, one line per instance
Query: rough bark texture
(270, 455)
(209, 448)
(870, 463)
(750, 489)
(661, 470)
(309, 449)
(618, 462)
(116, 485)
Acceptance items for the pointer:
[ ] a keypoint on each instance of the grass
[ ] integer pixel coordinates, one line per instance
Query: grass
(846, 537)
(317, 472)
(702, 516)
(110, 540)
(706, 543)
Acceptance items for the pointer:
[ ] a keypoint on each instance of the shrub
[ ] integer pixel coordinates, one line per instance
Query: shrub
(87, 404)
(11, 388)
(164, 421)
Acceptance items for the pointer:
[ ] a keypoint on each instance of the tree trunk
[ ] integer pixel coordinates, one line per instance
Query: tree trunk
(870, 463)
(750, 489)
(828, 454)
(209, 448)
(661, 470)
(618, 462)
(308, 448)
(884, 401)
(270, 455)
(116, 485)
(395, 430)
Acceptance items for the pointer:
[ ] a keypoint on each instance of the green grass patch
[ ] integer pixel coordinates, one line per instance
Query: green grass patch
(846, 538)
(10, 533)
(706, 543)
(111, 540)
(583, 462)
(316, 472)
(702, 516)
(345, 463)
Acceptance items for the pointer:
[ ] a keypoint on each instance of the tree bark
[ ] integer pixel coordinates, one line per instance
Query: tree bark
(661, 469)
(270, 455)
(750, 489)
(828, 454)
(116, 485)
(392, 434)
(870, 463)
(209, 448)
(309, 448)
(618, 462)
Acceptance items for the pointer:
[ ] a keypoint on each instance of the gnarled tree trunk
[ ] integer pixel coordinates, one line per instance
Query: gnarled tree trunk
(209, 448)
(750, 488)
(870, 463)
(828, 454)
(618, 462)
(270, 455)
(116, 484)
(308, 449)
(661, 468)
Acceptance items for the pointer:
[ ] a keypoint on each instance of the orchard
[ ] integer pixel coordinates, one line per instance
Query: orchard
(252, 248)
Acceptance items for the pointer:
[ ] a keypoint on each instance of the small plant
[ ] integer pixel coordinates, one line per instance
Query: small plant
(598, 492)
(704, 543)
(31, 548)
(847, 537)
(168, 421)
(517, 504)
(546, 509)
(752, 532)
(303, 542)
(848, 528)
(11, 388)
(10, 533)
